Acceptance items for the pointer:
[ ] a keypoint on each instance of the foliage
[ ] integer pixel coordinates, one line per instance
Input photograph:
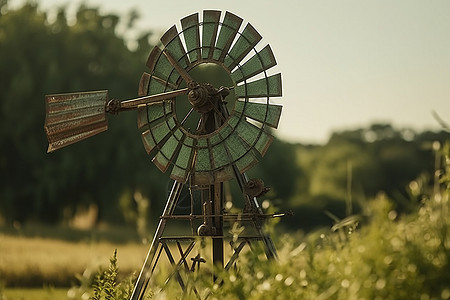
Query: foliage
(388, 257)
(356, 165)
(103, 284)
(41, 56)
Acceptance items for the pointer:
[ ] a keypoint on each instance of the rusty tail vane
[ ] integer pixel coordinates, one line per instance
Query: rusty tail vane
(73, 117)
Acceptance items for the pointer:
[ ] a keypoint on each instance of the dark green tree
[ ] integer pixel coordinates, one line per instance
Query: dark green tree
(39, 57)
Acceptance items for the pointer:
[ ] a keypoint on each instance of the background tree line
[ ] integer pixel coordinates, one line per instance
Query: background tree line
(41, 55)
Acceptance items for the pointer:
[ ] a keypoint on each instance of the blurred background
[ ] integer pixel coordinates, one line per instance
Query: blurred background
(107, 189)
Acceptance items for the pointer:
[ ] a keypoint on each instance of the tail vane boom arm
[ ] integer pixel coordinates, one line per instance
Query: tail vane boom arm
(73, 117)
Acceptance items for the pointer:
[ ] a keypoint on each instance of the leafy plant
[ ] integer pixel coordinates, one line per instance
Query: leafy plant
(103, 284)
(389, 256)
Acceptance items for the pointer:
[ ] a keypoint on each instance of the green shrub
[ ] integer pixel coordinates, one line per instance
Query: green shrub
(103, 284)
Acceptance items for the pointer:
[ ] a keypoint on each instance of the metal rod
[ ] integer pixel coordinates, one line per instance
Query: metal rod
(235, 255)
(184, 74)
(146, 271)
(217, 198)
(227, 216)
(133, 103)
(189, 238)
(176, 272)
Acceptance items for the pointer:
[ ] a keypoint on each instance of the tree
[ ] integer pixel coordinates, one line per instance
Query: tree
(39, 57)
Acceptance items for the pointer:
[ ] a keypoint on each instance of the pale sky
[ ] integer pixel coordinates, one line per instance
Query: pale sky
(344, 63)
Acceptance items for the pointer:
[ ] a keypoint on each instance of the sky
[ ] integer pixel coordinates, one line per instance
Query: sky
(345, 64)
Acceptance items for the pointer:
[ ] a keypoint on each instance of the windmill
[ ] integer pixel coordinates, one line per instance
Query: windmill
(205, 117)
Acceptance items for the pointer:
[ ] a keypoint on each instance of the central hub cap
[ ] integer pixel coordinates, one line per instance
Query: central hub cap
(201, 97)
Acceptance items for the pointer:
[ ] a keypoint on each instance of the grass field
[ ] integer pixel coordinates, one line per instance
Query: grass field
(389, 257)
(41, 268)
(36, 261)
(58, 266)
(35, 294)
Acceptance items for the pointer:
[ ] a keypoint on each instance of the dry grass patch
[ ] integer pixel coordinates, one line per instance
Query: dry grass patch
(42, 261)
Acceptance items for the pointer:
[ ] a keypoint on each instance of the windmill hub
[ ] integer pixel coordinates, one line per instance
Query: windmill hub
(204, 97)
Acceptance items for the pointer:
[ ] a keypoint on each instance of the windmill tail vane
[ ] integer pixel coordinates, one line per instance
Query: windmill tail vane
(73, 117)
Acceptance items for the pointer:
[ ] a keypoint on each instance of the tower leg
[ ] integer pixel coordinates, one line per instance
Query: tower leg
(146, 271)
(269, 246)
(217, 196)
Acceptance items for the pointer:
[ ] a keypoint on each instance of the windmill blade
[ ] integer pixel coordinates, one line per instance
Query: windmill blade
(244, 44)
(172, 42)
(183, 163)
(256, 137)
(210, 26)
(259, 63)
(268, 114)
(161, 67)
(191, 33)
(228, 31)
(265, 87)
(73, 117)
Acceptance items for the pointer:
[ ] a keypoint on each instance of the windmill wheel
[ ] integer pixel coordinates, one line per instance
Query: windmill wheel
(222, 124)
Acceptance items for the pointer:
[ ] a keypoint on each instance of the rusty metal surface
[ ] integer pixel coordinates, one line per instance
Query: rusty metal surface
(74, 117)
(255, 188)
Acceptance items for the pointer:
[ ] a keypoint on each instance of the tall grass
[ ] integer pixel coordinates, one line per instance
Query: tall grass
(379, 255)
(388, 256)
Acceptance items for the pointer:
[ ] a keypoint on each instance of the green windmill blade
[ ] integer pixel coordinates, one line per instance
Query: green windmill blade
(219, 153)
(161, 67)
(157, 111)
(265, 87)
(243, 45)
(183, 163)
(256, 137)
(238, 150)
(154, 137)
(268, 114)
(168, 150)
(242, 154)
(210, 27)
(173, 45)
(202, 170)
(152, 85)
(230, 26)
(257, 64)
(150, 114)
(203, 159)
(191, 34)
